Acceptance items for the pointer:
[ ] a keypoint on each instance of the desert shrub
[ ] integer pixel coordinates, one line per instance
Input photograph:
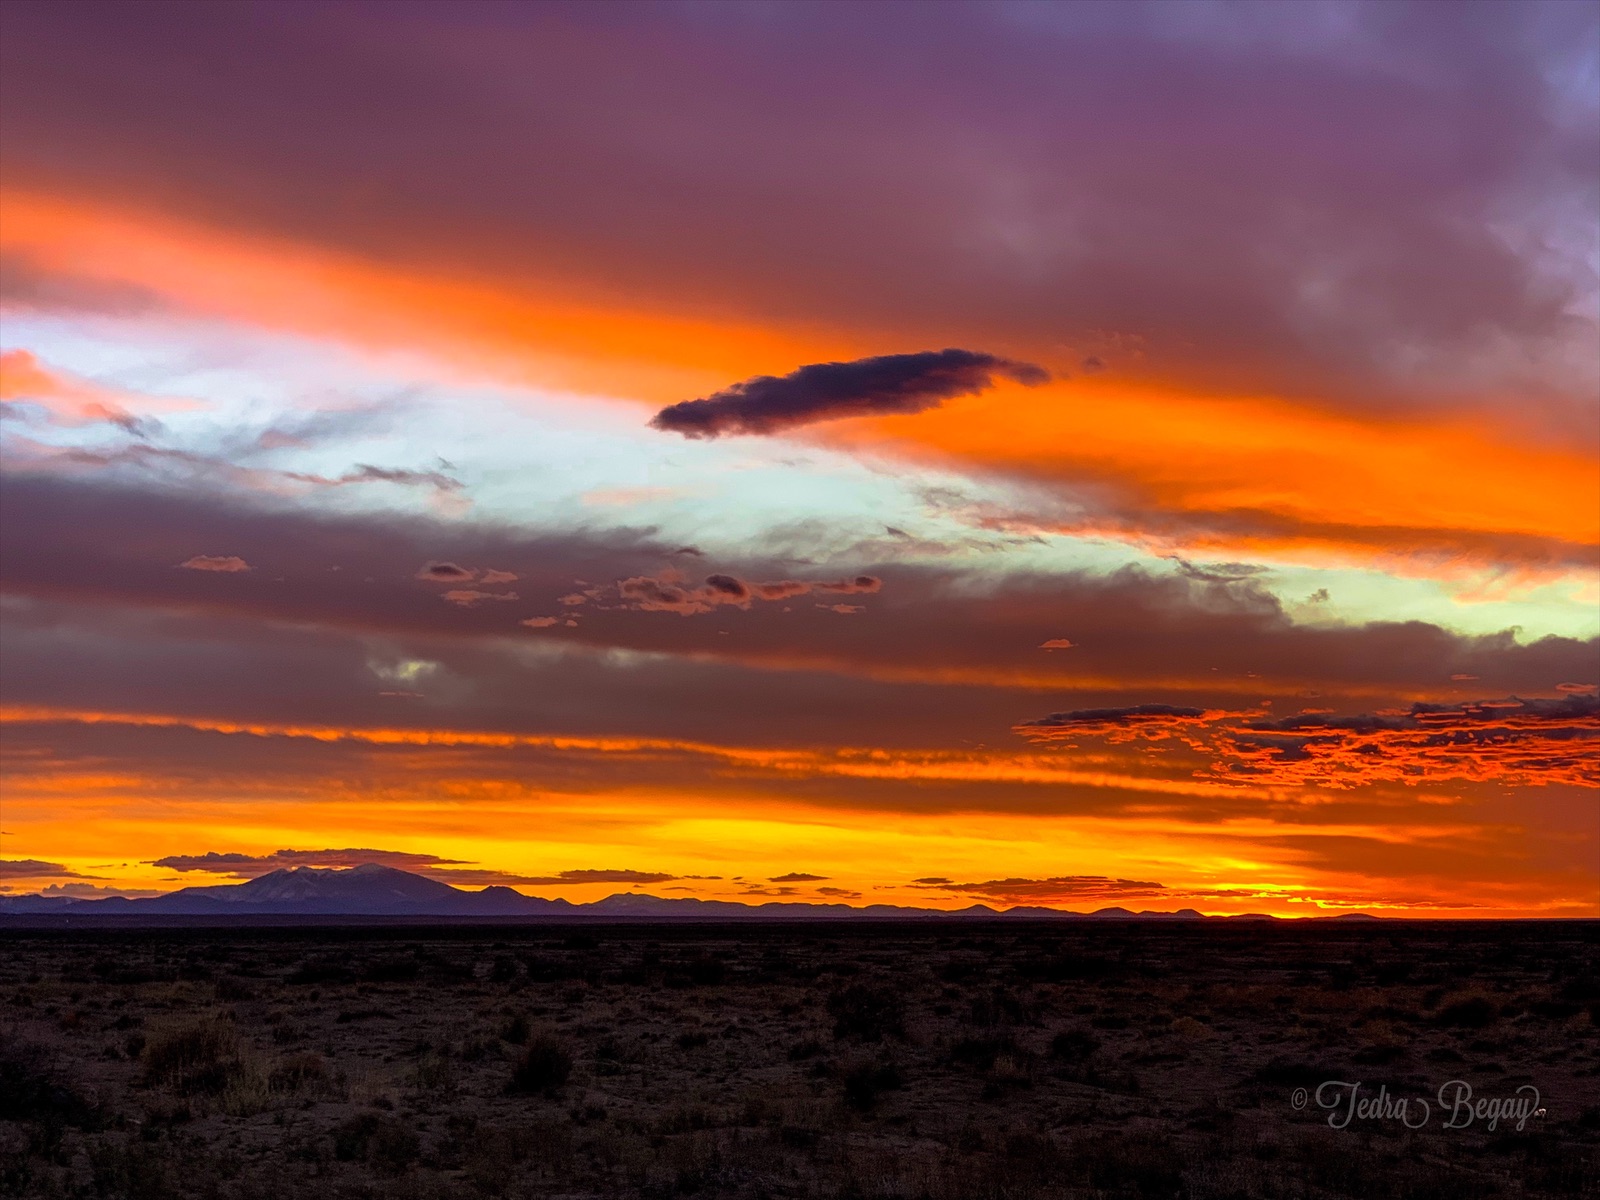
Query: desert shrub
(321, 970)
(1283, 1072)
(700, 972)
(231, 989)
(804, 1049)
(1141, 1163)
(1558, 1010)
(1378, 1054)
(194, 1058)
(609, 1055)
(1000, 1006)
(493, 1157)
(131, 1169)
(691, 1040)
(392, 970)
(30, 1091)
(515, 1030)
(1073, 1046)
(864, 1082)
(1008, 1072)
(980, 1052)
(545, 1065)
(866, 1013)
(382, 1141)
(542, 969)
(297, 1072)
(1473, 1012)
(435, 1073)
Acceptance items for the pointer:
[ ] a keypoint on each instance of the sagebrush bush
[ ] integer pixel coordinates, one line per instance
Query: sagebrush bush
(868, 1014)
(545, 1065)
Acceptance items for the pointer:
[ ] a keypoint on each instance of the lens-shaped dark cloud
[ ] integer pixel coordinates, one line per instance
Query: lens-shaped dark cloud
(888, 383)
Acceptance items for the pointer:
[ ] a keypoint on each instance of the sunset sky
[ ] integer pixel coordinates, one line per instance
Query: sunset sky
(1080, 454)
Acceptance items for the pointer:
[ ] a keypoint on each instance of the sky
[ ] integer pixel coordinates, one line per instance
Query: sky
(1139, 454)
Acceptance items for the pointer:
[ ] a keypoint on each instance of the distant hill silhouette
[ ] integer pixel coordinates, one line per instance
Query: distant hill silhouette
(373, 890)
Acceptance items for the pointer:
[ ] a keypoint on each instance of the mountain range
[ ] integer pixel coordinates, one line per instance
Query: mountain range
(374, 890)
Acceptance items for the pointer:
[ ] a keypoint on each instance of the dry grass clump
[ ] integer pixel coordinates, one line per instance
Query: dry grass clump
(194, 1058)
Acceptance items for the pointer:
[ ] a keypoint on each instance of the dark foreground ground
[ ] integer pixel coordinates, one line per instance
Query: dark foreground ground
(1114, 1060)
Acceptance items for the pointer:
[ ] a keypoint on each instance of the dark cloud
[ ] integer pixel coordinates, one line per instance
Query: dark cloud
(1058, 889)
(445, 572)
(33, 868)
(1110, 720)
(603, 875)
(728, 586)
(888, 383)
(797, 877)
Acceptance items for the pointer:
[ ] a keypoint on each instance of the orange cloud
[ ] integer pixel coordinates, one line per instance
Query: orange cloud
(527, 330)
(1219, 474)
(1526, 743)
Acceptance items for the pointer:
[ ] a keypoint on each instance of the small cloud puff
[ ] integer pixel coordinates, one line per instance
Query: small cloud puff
(227, 564)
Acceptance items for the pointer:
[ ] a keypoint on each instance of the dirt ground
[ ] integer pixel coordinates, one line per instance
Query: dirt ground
(1107, 1059)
